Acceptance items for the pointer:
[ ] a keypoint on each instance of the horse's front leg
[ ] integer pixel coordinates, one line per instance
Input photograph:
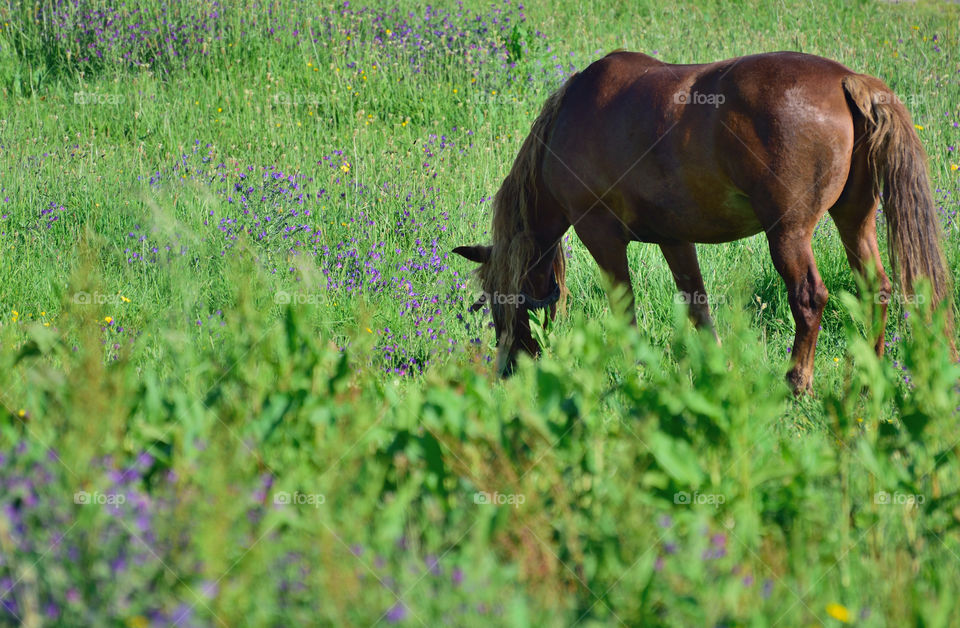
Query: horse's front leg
(682, 259)
(609, 248)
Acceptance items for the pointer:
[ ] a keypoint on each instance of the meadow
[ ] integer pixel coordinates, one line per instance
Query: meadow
(240, 384)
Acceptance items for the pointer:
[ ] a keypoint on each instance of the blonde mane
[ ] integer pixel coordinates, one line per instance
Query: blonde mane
(514, 246)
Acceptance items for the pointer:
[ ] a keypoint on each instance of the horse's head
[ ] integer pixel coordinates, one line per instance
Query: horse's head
(508, 307)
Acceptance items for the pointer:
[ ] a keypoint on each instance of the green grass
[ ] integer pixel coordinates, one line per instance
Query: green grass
(249, 366)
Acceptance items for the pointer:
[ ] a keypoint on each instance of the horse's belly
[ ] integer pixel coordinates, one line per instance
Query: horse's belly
(723, 216)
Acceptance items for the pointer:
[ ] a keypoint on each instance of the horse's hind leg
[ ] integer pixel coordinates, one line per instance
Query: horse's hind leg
(855, 213)
(682, 259)
(859, 237)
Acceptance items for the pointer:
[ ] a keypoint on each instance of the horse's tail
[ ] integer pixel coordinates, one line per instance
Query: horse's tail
(899, 166)
(514, 248)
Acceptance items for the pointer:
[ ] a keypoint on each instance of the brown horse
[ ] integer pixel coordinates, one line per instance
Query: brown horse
(634, 149)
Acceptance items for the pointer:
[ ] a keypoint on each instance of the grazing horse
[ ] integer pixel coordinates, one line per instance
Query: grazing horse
(634, 149)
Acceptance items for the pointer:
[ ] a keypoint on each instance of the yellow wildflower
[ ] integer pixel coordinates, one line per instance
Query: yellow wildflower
(138, 621)
(839, 612)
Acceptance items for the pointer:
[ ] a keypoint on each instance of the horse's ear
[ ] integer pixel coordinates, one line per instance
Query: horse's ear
(478, 254)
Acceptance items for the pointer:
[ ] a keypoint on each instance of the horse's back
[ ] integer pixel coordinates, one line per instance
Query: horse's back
(682, 151)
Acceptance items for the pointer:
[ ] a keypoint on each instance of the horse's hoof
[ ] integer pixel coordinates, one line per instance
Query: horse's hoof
(799, 383)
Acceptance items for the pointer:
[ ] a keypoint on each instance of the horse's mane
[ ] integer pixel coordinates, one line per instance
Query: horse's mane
(514, 247)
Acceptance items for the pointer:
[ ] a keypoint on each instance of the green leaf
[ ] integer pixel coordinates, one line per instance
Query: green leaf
(676, 457)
